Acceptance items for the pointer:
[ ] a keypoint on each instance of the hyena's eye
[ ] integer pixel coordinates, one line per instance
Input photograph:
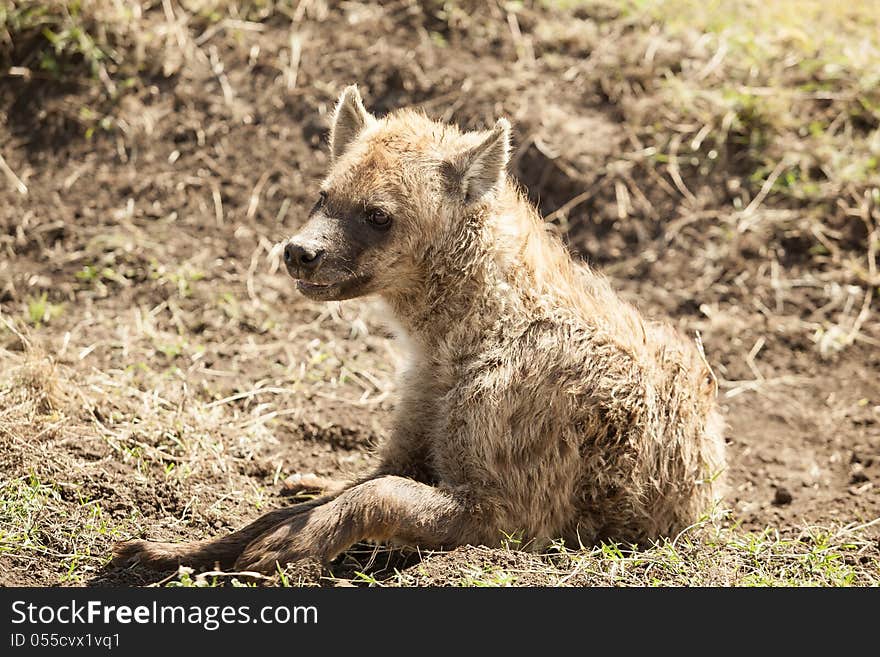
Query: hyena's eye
(378, 217)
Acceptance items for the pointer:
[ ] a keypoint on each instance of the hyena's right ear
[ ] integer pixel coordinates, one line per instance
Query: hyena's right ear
(480, 169)
(349, 119)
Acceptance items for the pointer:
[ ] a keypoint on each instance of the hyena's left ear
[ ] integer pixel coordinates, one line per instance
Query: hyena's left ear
(349, 119)
(480, 169)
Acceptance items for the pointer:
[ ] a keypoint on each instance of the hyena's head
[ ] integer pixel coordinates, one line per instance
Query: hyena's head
(396, 185)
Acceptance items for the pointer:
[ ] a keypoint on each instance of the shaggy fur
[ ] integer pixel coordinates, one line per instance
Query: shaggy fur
(535, 402)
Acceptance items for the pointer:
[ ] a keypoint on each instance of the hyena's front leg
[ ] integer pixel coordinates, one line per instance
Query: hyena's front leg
(387, 509)
(222, 551)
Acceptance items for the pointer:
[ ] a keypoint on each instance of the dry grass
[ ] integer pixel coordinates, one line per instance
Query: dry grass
(162, 392)
(778, 104)
(69, 434)
(53, 512)
(707, 555)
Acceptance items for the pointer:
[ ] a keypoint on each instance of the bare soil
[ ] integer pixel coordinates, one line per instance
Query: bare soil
(191, 376)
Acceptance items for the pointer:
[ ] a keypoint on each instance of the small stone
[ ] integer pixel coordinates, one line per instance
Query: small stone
(782, 497)
(857, 475)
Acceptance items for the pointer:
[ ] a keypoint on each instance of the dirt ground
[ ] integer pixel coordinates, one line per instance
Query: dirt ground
(174, 377)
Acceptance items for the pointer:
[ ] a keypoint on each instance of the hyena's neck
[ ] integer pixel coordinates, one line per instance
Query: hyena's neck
(478, 280)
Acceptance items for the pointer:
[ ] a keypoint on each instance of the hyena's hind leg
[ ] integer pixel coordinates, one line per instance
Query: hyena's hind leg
(222, 551)
(387, 509)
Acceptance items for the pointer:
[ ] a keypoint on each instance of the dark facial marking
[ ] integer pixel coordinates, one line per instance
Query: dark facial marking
(349, 236)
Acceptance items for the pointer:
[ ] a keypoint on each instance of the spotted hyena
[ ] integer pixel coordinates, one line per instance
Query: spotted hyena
(534, 401)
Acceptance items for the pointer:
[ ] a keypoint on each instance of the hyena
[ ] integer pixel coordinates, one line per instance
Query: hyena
(535, 402)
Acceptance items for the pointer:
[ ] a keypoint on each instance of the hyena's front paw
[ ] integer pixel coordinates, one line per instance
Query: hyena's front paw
(159, 556)
(306, 482)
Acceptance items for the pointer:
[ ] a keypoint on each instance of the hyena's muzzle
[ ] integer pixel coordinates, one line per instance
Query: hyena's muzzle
(330, 257)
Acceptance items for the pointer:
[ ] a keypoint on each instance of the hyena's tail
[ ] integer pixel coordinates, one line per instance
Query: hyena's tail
(219, 552)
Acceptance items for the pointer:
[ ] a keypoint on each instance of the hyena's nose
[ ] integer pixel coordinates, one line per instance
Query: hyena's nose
(302, 260)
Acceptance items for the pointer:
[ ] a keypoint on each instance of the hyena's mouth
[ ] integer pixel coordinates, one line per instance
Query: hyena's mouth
(335, 291)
